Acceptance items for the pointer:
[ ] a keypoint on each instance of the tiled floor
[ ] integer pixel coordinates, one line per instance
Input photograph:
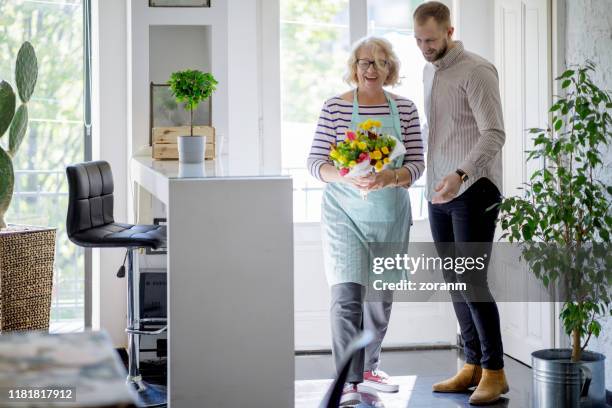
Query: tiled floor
(415, 371)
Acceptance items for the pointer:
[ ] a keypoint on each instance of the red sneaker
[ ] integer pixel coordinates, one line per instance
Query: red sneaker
(379, 380)
(350, 395)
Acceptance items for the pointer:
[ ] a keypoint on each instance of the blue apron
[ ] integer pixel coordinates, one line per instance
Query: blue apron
(350, 223)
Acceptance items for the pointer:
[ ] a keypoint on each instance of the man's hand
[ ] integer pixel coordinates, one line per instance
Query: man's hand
(447, 189)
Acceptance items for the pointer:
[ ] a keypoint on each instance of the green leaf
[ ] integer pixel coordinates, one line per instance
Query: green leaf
(26, 71)
(566, 83)
(527, 232)
(7, 180)
(18, 129)
(7, 106)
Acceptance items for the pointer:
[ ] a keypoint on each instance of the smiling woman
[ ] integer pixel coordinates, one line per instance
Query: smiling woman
(315, 37)
(55, 29)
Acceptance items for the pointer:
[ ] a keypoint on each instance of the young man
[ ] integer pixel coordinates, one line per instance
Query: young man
(464, 175)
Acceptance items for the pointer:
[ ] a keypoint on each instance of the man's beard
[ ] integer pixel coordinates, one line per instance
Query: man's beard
(438, 54)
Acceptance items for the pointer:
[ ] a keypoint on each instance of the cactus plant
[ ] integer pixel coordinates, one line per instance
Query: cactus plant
(15, 121)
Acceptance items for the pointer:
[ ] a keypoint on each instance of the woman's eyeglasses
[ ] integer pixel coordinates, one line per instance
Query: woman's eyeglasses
(364, 64)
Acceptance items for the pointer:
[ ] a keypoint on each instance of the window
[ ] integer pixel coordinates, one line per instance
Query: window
(55, 135)
(315, 44)
(392, 19)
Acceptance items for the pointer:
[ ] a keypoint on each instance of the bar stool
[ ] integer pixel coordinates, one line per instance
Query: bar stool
(90, 223)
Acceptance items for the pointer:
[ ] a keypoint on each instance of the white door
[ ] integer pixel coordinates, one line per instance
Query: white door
(522, 57)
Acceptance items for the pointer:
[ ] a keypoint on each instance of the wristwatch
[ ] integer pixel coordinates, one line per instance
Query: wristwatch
(462, 174)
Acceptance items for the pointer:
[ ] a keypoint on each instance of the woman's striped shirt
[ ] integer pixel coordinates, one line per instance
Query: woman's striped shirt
(335, 119)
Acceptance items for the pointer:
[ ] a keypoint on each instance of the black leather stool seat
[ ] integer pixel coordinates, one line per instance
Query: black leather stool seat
(121, 235)
(90, 221)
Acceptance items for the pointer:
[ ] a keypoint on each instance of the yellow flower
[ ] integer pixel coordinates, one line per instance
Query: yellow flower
(376, 123)
(367, 125)
(352, 163)
(353, 144)
(385, 150)
(379, 165)
(376, 155)
(386, 160)
(363, 145)
(333, 154)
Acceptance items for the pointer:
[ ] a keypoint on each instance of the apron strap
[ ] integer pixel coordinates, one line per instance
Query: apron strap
(355, 115)
(392, 108)
(395, 116)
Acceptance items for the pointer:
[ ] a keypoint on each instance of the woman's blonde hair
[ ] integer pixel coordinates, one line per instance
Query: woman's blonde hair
(379, 46)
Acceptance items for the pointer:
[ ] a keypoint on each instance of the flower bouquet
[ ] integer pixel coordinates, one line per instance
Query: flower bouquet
(365, 151)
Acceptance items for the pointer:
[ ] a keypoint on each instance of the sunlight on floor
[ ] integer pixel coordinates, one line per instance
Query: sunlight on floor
(309, 393)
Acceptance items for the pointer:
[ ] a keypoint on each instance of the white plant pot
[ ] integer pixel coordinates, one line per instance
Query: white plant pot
(191, 170)
(191, 149)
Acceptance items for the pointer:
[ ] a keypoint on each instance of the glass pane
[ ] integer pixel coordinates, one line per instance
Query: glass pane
(55, 135)
(314, 49)
(392, 14)
(392, 19)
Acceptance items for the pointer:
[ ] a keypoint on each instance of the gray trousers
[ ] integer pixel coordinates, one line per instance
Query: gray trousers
(349, 316)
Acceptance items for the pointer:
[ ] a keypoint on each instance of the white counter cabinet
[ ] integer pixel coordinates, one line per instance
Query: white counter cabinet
(230, 284)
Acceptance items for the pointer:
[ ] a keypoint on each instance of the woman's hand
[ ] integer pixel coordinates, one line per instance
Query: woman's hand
(360, 182)
(378, 181)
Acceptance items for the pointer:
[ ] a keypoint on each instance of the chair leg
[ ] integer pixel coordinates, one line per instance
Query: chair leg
(150, 395)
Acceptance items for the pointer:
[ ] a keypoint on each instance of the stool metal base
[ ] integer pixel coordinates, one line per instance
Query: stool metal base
(149, 395)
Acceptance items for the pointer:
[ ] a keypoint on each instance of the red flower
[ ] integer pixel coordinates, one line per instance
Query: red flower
(351, 135)
(363, 156)
(344, 171)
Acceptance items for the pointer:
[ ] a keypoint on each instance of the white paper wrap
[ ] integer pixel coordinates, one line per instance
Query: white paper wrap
(364, 168)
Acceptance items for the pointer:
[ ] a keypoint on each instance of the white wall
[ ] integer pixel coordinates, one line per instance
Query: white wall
(165, 57)
(589, 36)
(109, 143)
(474, 20)
(245, 136)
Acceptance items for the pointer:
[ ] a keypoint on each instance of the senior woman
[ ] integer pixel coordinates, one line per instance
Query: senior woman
(350, 223)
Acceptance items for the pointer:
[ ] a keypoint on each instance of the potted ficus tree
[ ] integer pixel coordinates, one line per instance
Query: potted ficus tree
(191, 87)
(26, 252)
(563, 224)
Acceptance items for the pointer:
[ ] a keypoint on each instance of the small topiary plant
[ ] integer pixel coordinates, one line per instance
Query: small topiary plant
(191, 87)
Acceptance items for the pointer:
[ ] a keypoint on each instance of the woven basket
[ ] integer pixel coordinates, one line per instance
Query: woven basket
(26, 277)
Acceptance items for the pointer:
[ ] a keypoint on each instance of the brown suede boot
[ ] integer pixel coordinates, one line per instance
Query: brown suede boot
(492, 385)
(467, 377)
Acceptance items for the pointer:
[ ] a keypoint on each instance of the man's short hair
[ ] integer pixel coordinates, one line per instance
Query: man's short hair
(435, 9)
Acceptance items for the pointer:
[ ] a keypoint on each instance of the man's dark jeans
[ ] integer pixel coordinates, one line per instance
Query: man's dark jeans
(466, 219)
